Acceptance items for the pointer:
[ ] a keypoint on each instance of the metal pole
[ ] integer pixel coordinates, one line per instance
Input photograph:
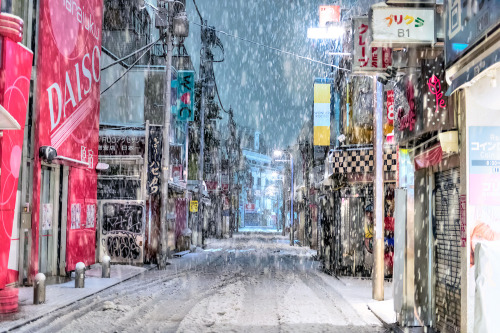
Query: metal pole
(283, 199)
(291, 203)
(165, 159)
(201, 158)
(106, 267)
(80, 275)
(39, 289)
(378, 253)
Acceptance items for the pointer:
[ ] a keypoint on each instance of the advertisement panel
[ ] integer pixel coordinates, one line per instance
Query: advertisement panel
(67, 112)
(15, 73)
(402, 25)
(185, 95)
(367, 58)
(321, 117)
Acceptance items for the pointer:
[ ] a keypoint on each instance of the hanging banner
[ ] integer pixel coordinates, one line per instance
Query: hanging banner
(322, 97)
(402, 25)
(185, 95)
(155, 147)
(367, 58)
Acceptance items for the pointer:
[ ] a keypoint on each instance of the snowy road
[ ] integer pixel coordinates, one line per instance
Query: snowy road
(251, 283)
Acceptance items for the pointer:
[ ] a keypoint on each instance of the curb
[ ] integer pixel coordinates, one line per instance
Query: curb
(30, 320)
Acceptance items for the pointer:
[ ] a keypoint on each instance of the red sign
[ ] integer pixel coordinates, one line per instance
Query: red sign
(67, 113)
(250, 207)
(390, 107)
(328, 14)
(15, 74)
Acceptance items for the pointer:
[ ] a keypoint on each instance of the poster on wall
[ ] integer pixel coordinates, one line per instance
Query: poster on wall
(484, 185)
(47, 216)
(75, 216)
(90, 216)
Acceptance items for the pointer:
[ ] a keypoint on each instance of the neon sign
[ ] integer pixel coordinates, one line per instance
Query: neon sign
(434, 85)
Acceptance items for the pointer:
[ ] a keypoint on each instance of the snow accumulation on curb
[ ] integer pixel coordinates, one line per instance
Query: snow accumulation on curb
(63, 295)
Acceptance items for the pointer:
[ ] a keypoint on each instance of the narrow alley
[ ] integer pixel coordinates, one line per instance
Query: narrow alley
(254, 282)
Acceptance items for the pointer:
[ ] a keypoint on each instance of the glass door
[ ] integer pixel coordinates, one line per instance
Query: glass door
(48, 214)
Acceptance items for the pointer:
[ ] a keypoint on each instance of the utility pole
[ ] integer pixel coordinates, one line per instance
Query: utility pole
(201, 158)
(230, 171)
(169, 23)
(165, 159)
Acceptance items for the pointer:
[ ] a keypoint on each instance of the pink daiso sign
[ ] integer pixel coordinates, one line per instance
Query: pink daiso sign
(68, 77)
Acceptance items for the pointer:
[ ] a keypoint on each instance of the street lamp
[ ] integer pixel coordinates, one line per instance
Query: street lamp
(277, 154)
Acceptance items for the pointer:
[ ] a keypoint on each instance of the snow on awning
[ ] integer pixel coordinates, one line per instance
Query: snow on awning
(7, 122)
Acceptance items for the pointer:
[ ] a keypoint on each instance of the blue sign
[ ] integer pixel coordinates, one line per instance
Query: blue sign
(185, 95)
(466, 25)
(484, 149)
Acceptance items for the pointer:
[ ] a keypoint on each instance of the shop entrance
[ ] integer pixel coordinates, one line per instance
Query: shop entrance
(50, 192)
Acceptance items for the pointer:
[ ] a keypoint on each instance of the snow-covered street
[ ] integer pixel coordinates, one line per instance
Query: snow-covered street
(251, 283)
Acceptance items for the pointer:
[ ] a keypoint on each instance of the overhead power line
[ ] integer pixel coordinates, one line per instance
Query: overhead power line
(131, 66)
(278, 50)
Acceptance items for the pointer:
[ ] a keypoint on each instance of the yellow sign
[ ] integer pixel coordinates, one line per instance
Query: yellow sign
(321, 114)
(193, 206)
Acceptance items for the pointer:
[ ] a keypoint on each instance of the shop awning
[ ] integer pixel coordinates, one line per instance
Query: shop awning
(7, 122)
(466, 72)
(428, 158)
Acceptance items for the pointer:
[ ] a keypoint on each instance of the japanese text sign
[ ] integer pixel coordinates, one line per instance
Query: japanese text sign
(484, 172)
(154, 158)
(185, 95)
(402, 25)
(366, 57)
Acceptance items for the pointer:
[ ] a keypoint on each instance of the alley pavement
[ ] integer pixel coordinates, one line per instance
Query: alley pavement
(250, 283)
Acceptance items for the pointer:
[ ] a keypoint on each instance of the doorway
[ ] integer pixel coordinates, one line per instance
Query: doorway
(49, 221)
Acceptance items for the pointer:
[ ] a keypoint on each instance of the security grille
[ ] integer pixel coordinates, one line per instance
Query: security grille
(447, 233)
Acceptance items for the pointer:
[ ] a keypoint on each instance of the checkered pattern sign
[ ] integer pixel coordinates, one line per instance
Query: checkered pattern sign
(361, 161)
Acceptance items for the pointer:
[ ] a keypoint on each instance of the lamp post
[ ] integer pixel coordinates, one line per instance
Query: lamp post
(278, 153)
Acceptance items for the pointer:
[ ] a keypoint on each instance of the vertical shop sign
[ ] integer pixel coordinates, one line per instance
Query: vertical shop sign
(390, 107)
(322, 97)
(463, 220)
(154, 158)
(366, 57)
(185, 95)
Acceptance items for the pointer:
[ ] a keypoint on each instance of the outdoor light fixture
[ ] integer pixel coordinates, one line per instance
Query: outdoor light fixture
(331, 32)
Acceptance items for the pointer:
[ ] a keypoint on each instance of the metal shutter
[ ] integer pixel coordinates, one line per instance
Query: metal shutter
(447, 233)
